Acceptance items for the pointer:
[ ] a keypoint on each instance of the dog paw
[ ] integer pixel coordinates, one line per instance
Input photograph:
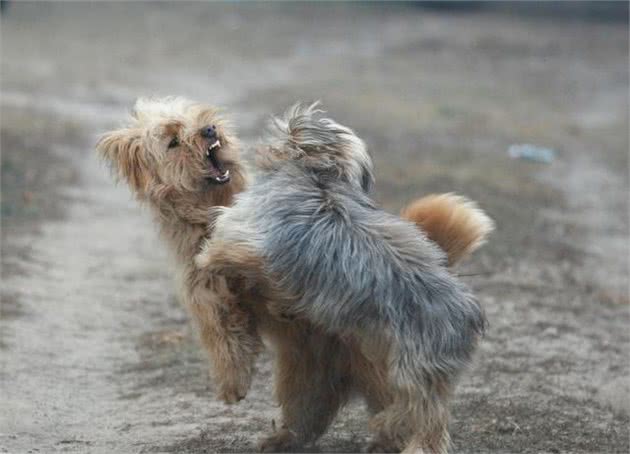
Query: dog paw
(231, 395)
(281, 441)
(235, 390)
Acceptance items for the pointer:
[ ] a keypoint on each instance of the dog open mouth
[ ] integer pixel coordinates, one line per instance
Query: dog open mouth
(217, 173)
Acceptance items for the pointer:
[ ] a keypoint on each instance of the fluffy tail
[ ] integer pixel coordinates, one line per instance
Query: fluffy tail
(453, 222)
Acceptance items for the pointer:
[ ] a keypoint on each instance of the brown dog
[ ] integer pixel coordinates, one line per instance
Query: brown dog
(181, 159)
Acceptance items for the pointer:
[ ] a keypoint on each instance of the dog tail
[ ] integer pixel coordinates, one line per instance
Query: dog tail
(456, 224)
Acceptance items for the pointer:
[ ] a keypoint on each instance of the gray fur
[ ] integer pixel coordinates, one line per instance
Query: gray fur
(333, 149)
(353, 267)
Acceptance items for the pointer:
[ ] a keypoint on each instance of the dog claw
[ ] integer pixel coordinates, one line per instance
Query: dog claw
(231, 397)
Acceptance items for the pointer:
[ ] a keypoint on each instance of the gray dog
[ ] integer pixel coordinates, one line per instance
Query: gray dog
(308, 234)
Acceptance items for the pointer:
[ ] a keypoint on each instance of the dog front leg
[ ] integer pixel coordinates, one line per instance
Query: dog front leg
(227, 331)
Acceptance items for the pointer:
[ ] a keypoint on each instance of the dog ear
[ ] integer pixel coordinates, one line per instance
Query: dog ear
(124, 150)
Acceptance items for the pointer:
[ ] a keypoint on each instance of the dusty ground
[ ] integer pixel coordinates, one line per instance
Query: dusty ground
(96, 354)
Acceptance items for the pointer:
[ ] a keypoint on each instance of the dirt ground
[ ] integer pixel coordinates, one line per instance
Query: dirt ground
(96, 354)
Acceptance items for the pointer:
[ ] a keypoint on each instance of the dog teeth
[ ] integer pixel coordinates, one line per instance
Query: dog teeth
(224, 177)
(216, 144)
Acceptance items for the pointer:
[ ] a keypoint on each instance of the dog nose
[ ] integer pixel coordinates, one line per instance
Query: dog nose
(209, 132)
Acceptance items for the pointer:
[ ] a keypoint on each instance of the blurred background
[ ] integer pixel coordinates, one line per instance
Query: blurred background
(520, 106)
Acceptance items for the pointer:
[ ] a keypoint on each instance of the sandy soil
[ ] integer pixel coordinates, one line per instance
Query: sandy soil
(96, 355)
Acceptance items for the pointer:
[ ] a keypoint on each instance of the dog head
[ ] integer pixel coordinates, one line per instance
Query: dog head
(302, 136)
(172, 146)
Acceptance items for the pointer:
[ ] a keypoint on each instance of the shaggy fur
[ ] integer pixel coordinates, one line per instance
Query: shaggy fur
(315, 370)
(453, 222)
(308, 234)
(163, 155)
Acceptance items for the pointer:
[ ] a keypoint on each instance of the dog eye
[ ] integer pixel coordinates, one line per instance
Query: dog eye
(173, 143)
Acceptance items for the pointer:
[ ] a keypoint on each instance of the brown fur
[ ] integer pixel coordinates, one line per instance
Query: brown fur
(174, 184)
(315, 372)
(455, 223)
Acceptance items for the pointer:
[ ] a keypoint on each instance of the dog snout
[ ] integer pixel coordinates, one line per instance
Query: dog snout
(209, 132)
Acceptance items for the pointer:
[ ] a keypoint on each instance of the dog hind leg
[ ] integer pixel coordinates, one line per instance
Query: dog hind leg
(312, 383)
(370, 380)
(417, 421)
